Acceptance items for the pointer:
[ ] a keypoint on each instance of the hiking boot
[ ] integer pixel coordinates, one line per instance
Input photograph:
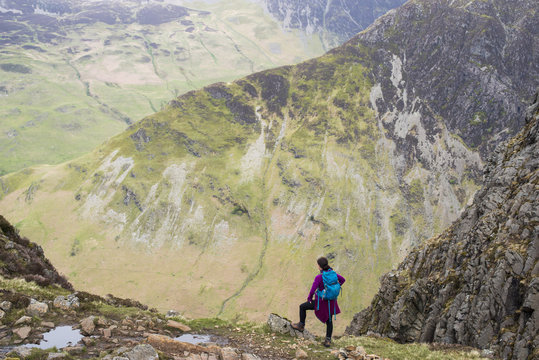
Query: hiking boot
(327, 342)
(298, 326)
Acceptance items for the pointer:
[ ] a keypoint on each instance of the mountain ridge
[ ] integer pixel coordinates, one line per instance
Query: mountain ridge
(336, 156)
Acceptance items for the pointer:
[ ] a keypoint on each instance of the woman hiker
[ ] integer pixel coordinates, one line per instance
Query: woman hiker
(323, 309)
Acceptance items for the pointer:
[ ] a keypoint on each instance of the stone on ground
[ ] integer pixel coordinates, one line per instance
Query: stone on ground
(142, 352)
(87, 325)
(22, 332)
(37, 308)
(283, 326)
(178, 325)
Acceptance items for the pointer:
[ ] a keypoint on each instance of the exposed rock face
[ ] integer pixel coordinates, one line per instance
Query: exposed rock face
(21, 258)
(477, 283)
(335, 21)
(465, 60)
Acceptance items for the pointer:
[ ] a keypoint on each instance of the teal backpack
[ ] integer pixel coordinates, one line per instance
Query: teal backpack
(331, 291)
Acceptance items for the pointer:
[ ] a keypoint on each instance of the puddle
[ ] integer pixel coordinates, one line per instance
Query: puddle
(201, 339)
(59, 337)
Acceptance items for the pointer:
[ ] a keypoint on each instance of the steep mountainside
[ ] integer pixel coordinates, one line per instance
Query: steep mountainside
(478, 283)
(73, 73)
(231, 192)
(334, 21)
(20, 258)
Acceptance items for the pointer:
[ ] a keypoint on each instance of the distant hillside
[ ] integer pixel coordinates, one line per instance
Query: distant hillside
(74, 73)
(477, 283)
(229, 194)
(333, 21)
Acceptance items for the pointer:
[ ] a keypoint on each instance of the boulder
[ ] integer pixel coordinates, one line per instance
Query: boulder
(142, 352)
(22, 332)
(67, 303)
(23, 320)
(178, 325)
(5, 305)
(283, 326)
(37, 308)
(87, 325)
(228, 353)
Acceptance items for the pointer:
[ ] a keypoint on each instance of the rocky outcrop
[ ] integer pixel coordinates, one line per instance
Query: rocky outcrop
(21, 258)
(477, 283)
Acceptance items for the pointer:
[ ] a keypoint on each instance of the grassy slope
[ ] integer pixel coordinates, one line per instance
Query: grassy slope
(218, 225)
(79, 92)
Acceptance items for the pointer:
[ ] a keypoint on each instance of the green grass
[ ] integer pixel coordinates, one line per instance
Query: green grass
(390, 349)
(103, 88)
(32, 289)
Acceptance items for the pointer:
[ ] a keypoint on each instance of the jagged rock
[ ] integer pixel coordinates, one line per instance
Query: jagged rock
(88, 325)
(37, 308)
(6, 305)
(475, 284)
(301, 354)
(67, 303)
(228, 353)
(142, 352)
(283, 326)
(178, 325)
(22, 332)
(23, 320)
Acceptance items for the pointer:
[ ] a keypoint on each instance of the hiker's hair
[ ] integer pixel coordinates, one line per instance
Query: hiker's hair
(323, 263)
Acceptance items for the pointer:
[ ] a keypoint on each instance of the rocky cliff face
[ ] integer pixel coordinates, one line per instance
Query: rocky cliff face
(348, 155)
(20, 258)
(477, 283)
(334, 21)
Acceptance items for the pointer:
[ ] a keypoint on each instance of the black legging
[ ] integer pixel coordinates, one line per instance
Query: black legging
(303, 315)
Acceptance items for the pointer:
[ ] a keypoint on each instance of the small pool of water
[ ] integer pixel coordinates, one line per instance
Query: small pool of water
(60, 337)
(202, 339)
(194, 338)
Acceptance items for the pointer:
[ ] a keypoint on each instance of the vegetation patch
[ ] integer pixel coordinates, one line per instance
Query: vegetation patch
(16, 68)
